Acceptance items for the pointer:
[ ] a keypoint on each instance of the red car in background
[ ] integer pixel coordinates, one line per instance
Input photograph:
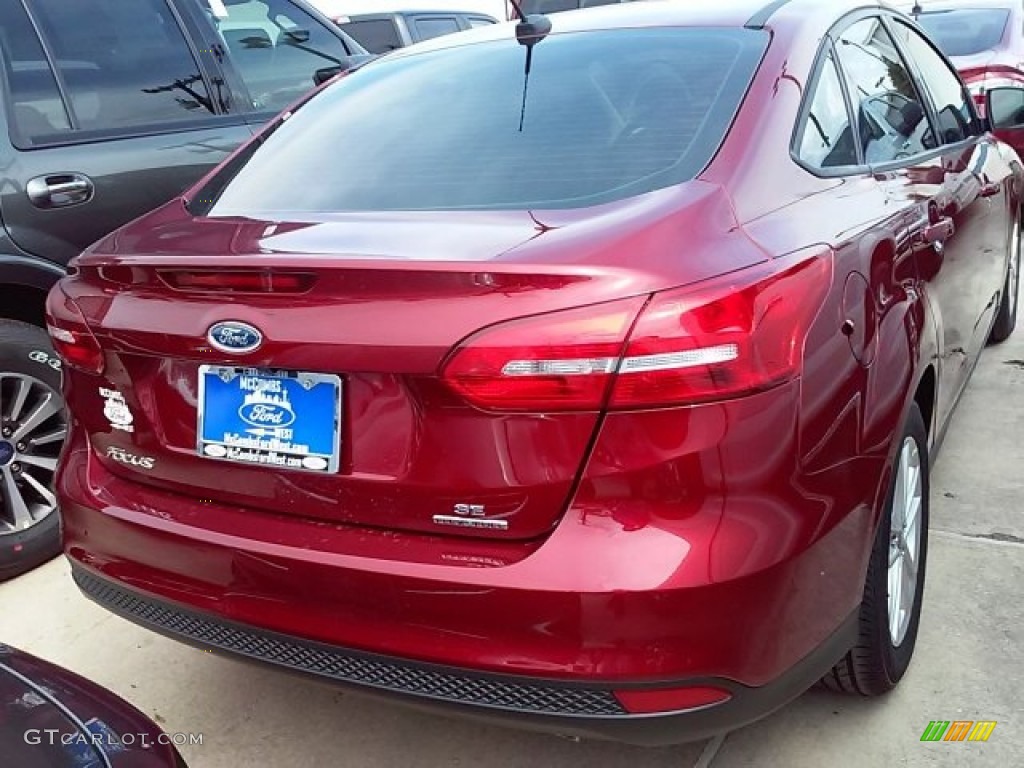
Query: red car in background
(984, 39)
(52, 718)
(604, 405)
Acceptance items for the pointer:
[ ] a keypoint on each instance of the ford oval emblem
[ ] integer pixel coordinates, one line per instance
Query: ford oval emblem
(233, 336)
(263, 409)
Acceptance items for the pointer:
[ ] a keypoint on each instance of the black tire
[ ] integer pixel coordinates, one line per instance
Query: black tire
(1006, 318)
(25, 350)
(876, 663)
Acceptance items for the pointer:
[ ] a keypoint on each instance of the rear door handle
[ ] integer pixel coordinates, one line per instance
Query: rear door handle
(59, 190)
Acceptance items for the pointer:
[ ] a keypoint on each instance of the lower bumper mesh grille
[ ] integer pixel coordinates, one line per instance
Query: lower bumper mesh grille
(348, 666)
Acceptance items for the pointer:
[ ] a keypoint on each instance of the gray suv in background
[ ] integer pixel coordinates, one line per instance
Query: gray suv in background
(383, 32)
(110, 108)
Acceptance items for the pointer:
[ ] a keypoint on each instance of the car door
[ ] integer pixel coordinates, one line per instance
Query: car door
(940, 179)
(981, 176)
(272, 49)
(112, 114)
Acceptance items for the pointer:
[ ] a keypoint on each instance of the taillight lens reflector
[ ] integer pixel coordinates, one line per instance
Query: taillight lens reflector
(71, 337)
(652, 700)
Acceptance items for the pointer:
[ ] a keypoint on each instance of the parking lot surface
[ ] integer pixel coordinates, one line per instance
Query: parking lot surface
(969, 663)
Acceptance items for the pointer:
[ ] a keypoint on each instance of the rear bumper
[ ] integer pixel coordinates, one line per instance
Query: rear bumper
(567, 708)
(660, 575)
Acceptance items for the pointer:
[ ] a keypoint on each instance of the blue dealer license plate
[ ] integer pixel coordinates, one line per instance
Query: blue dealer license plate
(272, 418)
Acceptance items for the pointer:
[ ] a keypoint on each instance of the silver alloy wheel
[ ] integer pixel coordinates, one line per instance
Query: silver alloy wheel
(905, 540)
(32, 431)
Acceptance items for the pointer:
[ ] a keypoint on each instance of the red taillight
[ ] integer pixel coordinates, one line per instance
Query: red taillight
(557, 362)
(732, 336)
(238, 281)
(979, 102)
(639, 702)
(728, 337)
(71, 337)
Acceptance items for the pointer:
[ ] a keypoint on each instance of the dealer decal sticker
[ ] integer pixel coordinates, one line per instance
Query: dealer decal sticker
(116, 410)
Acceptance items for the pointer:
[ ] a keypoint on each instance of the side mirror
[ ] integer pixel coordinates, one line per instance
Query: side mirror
(354, 61)
(321, 76)
(1004, 108)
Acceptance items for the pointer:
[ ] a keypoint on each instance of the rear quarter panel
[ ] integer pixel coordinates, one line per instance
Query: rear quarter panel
(856, 388)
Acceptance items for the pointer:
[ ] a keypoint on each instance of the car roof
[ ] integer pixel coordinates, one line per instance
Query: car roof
(816, 14)
(722, 13)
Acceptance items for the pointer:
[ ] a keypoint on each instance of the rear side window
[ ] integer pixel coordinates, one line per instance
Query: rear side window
(436, 26)
(35, 109)
(551, 6)
(944, 88)
(827, 139)
(892, 121)
(607, 115)
(124, 63)
(966, 31)
(375, 35)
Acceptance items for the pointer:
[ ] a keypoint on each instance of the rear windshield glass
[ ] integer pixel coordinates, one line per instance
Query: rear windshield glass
(606, 115)
(965, 32)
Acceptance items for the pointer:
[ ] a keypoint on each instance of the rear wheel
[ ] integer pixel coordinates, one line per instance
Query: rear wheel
(1006, 319)
(32, 431)
(891, 607)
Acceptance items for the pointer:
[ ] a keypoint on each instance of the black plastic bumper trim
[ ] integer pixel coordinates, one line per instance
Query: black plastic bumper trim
(563, 707)
(347, 666)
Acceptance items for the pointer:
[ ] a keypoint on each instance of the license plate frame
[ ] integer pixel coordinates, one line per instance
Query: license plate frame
(258, 396)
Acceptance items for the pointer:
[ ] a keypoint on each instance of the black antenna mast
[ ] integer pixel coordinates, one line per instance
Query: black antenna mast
(529, 31)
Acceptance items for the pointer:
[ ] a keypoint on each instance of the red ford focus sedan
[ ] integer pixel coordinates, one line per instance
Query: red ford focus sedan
(585, 377)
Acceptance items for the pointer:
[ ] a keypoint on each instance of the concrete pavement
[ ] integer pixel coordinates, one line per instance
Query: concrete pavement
(969, 663)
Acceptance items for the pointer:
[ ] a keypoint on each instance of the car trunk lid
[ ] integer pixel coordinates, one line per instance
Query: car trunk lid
(371, 306)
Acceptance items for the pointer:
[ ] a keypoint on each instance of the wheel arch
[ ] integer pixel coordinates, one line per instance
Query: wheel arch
(24, 283)
(925, 396)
